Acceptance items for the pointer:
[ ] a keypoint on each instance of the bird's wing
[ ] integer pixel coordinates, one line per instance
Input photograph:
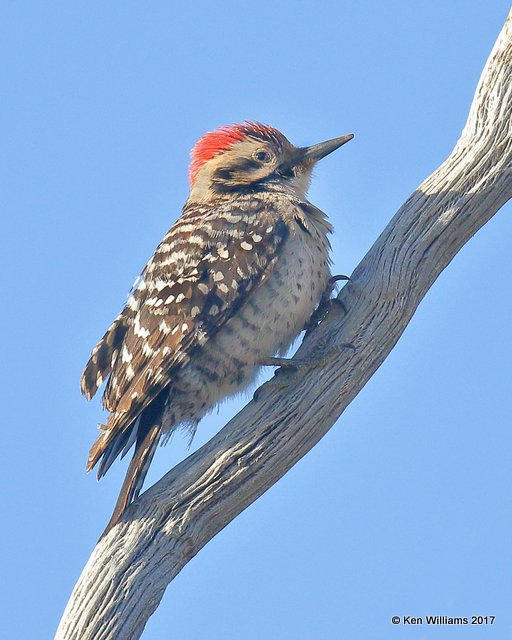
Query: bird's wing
(105, 352)
(197, 279)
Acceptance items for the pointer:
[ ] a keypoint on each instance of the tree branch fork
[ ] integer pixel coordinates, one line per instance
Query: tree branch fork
(129, 569)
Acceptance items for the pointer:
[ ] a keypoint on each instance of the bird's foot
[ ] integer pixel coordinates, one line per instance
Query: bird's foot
(291, 366)
(298, 364)
(304, 364)
(325, 304)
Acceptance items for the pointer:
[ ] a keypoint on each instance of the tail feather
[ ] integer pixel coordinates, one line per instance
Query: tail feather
(118, 447)
(137, 470)
(145, 431)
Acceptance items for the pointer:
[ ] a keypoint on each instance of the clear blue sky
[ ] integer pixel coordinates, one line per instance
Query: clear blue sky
(405, 506)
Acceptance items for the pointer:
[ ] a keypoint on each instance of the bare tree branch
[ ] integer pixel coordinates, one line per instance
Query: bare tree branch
(126, 576)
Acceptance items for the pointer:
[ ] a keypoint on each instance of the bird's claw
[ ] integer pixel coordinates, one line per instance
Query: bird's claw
(304, 364)
(325, 304)
(295, 365)
(334, 279)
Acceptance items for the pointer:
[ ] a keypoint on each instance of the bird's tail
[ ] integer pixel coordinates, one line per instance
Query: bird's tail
(145, 432)
(145, 448)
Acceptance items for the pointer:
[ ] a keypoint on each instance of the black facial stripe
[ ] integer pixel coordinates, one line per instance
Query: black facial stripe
(223, 175)
(243, 165)
(246, 164)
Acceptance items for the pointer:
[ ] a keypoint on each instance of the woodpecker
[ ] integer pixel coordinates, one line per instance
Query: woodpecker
(233, 283)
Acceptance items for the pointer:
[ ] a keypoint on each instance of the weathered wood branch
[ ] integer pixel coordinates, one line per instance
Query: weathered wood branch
(126, 576)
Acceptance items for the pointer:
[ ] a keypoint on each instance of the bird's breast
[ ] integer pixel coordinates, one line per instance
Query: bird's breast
(280, 307)
(267, 323)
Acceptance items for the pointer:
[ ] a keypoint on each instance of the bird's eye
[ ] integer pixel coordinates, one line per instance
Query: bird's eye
(263, 155)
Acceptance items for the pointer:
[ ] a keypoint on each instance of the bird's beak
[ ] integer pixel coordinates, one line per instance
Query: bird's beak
(306, 157)
(318, 151)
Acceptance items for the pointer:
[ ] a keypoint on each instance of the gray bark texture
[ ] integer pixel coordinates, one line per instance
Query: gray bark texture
(128, 571)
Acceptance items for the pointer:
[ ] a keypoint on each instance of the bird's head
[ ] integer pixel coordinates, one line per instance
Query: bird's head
(251, 157)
